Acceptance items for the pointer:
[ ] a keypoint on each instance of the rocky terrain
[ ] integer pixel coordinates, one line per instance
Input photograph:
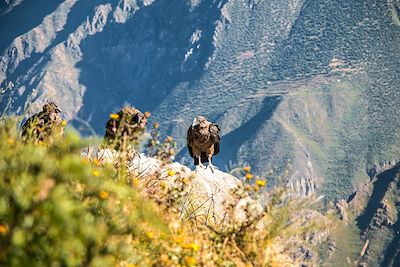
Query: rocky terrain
(373, 210)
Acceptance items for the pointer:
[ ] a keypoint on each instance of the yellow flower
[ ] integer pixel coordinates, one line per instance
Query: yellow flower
(114, 116)
(64, 123)
(164, 258)
(96, 173)
(150, 235)
(85, 161)
(104, 195)
(190, 260)
(97, 162)
(246, 168)
(178, 239)
(10, 141)
(131, 265)
(185, 180)
(169, 138)
(3, 229)
(41, 143)
(135, 181)
(171, 172)
(261, 182)
(156, 125)
(249, 176)
(147, 114)
(163, 185)
(192, 246)
(186, 246)
(195, 247)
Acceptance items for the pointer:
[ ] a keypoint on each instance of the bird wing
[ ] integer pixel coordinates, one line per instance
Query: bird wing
(32, 123)
(189, 139)
(214, 134)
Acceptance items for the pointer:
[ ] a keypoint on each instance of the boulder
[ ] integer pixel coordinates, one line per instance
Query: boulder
(214, 197)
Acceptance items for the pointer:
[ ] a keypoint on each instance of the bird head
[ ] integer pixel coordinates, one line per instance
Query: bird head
(53, 111)
(135, 116)
(141, 120)
(199, 122)
(51, 107)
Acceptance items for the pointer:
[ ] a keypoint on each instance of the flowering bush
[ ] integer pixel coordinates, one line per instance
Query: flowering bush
(56, 208)
(165, 151)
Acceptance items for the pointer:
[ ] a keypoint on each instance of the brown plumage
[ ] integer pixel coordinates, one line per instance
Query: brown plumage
(203, 141)
(41, 125)
(125, 128)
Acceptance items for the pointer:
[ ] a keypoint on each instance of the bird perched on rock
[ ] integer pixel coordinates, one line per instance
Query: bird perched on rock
(203, 141)
(124, 128)
(42, 125)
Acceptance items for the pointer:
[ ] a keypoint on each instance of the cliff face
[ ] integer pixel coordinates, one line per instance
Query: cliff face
(311, 81)
(371, 215)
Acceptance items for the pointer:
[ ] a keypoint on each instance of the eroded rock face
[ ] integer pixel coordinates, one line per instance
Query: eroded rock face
(341, 207)
(224, 195)
(374, 209)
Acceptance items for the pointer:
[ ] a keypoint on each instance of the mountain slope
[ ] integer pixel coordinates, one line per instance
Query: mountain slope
(311, 81)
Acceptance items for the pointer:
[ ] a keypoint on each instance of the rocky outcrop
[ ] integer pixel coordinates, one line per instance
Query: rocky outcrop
(374, 208)
(341, 208)
(384, 165)
(220, 201)
(214, 197)
(385, 216)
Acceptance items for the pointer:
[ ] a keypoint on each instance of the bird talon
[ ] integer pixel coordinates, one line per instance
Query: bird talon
(201, 166)
(211, 167)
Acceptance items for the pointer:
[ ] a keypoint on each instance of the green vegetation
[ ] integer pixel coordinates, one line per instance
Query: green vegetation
(56, 208)
(59, 209)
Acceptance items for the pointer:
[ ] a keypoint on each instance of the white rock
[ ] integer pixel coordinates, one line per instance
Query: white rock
(217, 198)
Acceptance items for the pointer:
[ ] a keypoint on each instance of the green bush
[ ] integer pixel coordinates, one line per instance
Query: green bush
(59, 210)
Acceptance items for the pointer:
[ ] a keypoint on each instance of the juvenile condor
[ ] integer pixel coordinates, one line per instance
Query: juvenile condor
(41, 125)
(124, 128)
(203, 141)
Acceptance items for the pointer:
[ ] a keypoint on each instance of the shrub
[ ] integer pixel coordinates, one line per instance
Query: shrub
(57, 209)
